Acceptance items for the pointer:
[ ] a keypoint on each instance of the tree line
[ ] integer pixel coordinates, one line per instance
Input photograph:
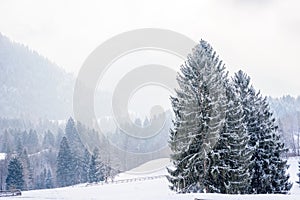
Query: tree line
(52, 163)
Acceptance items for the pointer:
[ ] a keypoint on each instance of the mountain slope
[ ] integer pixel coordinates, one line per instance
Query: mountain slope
(31, 85)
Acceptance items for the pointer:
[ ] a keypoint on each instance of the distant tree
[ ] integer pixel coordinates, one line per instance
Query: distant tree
(41, 180)
(38, 182)
(73, 136)
(49, 181)
(58, 138)
(32, 141)
(95, 173)
(4, 171)
(49, 140)
(19, 146)
(27, 170)
(5, 145)
(77, 149)
(85, 166)
(64, 168)
(298, 173)
(24, 137)
(15, 177)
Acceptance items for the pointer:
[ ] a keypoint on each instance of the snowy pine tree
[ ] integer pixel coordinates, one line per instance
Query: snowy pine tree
(95, 172)
(271, 150)
(230, 160)
(199, 116)
(73, 136)
(85, 166)
(15, 177)
(77, 149)
(269, 168)
(64, 168)
(27, 170)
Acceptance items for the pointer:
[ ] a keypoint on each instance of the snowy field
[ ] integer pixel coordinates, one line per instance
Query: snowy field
(145, 188)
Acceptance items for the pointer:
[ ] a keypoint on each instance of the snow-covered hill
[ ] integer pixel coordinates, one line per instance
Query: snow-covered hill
(137, 184)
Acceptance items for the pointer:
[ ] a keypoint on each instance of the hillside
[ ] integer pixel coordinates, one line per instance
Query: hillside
(31, 85)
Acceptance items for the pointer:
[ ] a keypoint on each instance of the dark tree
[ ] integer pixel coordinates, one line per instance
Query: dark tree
(95, 173)
(49, 181)
(231, 158)
(64, 168)
(77, 149)
(15, 177)
(269, 168)
(49, 140)
(85, 166)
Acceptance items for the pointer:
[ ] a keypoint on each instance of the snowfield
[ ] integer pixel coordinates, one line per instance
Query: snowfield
(138, 184)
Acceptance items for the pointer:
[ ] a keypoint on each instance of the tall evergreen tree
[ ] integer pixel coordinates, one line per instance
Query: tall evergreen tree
(77, 149)
(270, 151)
(73, 136)
(231, 158)
(64, 168)
(15, 177)
(199, 107)
(269, 168)
(27, 170)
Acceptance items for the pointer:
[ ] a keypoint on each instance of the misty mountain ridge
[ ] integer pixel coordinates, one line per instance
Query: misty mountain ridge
(31, 86)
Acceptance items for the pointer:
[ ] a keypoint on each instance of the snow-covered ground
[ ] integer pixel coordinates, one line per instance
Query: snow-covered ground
(2, 156)
(145, 188)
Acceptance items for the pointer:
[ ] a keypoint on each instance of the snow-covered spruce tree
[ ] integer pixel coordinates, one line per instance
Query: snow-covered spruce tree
(85, 166)
(64, 166)
(27, 170)
(274, 165)
(77, 149)
(15, 177)
(199, 106)
(95, 172)
(230, 159)
(268, 170)
(249, 100)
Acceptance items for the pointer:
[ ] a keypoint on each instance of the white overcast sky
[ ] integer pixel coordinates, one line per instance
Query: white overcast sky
(261, 37)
